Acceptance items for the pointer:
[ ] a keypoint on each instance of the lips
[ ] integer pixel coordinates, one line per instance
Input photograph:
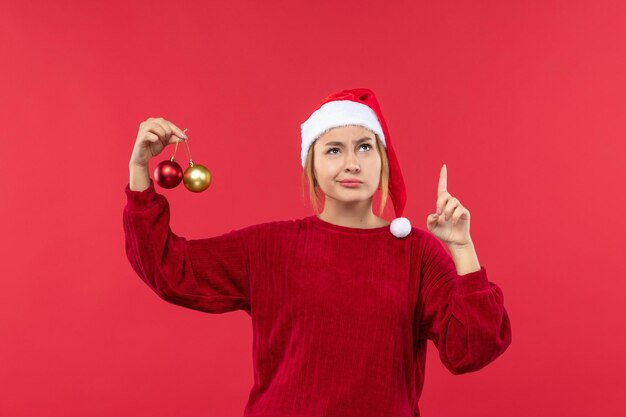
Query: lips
(351, 182)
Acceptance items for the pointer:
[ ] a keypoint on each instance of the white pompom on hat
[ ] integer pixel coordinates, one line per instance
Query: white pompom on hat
(359, 107)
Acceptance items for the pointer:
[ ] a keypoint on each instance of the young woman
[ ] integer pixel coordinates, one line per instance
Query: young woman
(342, 302)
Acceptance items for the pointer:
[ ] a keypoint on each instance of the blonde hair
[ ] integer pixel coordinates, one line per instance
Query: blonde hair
(315, 192)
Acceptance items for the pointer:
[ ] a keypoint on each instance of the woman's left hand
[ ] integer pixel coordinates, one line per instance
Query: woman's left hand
(451, 222)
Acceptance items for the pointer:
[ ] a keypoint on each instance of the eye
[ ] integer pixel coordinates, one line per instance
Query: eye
(337, 149)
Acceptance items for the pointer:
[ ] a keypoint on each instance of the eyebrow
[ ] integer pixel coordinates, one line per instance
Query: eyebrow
(363, 139)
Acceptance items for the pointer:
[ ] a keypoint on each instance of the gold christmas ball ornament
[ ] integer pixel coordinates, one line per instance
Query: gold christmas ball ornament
(197, 177)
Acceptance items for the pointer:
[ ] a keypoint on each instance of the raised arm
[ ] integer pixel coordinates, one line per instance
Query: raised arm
(209, 275)
(463, 315)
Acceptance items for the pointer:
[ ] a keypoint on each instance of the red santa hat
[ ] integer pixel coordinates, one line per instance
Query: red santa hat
(359, 107)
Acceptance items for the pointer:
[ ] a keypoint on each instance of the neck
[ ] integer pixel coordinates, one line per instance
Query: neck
(351, 214)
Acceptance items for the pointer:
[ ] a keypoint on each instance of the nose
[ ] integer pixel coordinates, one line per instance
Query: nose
(352, 164)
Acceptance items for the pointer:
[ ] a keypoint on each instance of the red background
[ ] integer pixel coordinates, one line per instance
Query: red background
(524, 102)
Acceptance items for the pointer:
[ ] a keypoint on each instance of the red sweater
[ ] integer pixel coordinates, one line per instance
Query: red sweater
(340, 315)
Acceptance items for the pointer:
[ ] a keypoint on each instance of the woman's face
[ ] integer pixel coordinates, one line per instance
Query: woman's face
(347, 152)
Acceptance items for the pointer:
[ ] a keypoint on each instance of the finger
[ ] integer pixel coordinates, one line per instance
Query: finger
(458, 213)
(165, 125)
(160, 130)
(443, 180)
(177, 131)
(442, 201)
(151, 137)
(170, 134)
(451, 205)
(147, 138)
(432, 220)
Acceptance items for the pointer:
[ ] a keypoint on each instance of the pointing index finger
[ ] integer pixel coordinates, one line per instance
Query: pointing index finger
(443, 180)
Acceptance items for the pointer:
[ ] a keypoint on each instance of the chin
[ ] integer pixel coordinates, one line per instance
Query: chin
(351, 198)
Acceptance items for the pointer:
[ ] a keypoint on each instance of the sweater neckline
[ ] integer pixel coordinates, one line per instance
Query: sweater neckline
(355, 230)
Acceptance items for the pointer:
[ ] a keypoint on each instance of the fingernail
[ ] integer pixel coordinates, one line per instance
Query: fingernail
(184, 135)
(438, 210)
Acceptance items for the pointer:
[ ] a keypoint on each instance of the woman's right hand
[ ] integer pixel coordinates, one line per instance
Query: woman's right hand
(155, 133)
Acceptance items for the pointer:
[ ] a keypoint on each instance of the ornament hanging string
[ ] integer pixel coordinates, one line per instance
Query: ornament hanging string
(188, 151)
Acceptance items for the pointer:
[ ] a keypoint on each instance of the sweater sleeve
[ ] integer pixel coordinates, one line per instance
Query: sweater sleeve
(209, 275)
(463, 315)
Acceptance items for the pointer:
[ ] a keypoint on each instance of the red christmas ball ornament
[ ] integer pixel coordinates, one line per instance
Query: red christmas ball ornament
(168, 174)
